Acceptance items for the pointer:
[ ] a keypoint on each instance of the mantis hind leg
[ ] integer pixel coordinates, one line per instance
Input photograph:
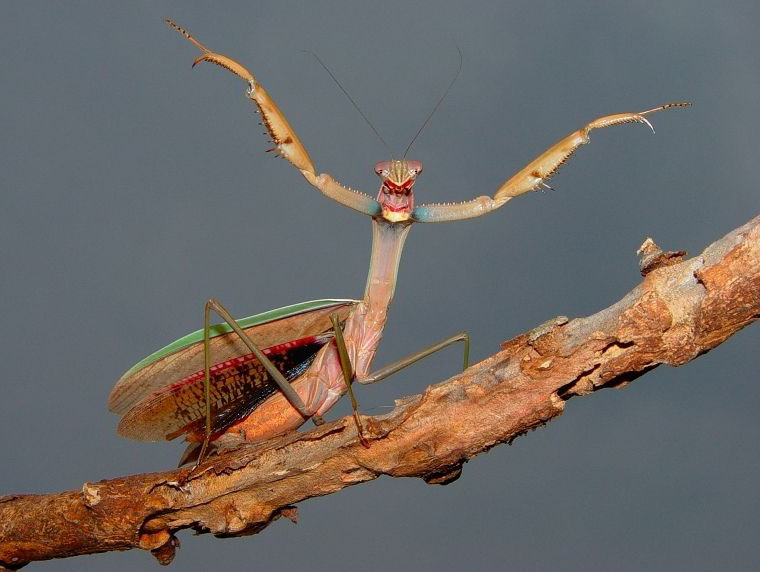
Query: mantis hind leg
(276, 375)
(396, 366)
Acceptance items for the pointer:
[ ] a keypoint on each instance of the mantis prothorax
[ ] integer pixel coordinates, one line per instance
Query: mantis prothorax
(244, 396)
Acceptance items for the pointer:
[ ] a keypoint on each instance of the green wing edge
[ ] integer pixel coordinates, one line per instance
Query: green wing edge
(221, 329)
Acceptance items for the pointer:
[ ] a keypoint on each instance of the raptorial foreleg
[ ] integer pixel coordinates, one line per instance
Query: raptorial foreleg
(535, 174)
(286, 141)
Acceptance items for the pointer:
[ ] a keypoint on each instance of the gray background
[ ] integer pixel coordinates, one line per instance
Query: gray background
(134, 188)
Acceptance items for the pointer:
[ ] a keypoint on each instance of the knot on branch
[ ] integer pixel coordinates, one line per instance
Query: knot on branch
(653, 257)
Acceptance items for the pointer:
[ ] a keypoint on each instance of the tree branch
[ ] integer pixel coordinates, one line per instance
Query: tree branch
(682, 308)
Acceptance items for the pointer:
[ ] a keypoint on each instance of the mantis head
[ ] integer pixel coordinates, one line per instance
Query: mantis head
(396, 196)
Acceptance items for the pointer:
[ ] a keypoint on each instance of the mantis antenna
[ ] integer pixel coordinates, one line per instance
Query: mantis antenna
(377, 133)
(351, 99)
(437, 105)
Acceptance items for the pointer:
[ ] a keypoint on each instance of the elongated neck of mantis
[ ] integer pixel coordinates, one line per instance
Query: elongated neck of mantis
(364, 327)
(387, 244)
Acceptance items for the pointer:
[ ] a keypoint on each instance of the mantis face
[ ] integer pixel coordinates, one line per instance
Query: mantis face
(396, 196)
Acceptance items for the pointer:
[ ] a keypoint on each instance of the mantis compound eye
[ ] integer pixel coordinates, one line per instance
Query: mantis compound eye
(382, 169)
(415, 167)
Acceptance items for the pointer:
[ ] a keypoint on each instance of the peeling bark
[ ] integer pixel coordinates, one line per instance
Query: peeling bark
(681, 309)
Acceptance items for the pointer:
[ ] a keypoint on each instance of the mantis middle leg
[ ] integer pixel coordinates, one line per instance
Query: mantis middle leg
(390, 369)
(398, 365)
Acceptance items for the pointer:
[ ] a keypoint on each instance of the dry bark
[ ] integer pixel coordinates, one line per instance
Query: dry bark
(681, 309)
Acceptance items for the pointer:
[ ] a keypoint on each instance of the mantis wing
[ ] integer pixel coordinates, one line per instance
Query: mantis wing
(237, 387)
(182, 359)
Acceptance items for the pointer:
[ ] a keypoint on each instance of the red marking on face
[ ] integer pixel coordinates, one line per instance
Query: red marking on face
(396, 195)
(396, 198)
(403, 187)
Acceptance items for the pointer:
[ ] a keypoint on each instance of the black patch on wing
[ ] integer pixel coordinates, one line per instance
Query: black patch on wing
(238, 390)
(243, 406)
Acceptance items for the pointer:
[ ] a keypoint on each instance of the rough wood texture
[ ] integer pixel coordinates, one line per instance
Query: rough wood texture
(682, 309)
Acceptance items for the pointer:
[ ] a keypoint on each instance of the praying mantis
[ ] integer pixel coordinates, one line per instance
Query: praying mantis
(274, 371)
